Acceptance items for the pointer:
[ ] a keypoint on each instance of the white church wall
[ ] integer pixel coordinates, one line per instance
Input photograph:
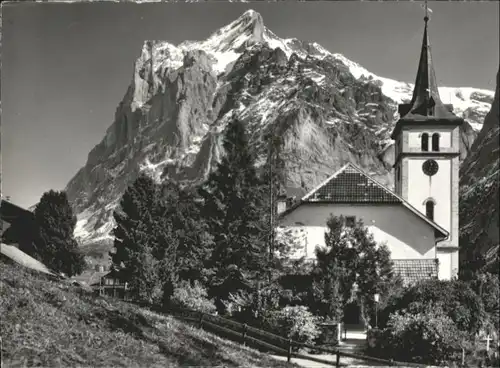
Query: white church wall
(445, 270)
(406, 235)
(421, 187)
(414, 137)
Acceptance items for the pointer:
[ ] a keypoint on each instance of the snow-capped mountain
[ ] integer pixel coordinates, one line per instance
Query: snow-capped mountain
(329, 109)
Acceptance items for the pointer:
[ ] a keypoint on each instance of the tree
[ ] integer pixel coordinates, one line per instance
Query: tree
(183, 210)
(351, 257)
(54, 243)
(145, 242)
(374, 270)
(429, 336)
(233, 207)
(456, 297)
(335, 271)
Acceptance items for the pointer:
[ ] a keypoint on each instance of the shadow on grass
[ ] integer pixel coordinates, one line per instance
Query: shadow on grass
(131, 323)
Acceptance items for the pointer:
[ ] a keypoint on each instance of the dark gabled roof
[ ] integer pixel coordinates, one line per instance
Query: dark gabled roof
(425, 105)
(351, 185)
(9, 211)
(414, 270)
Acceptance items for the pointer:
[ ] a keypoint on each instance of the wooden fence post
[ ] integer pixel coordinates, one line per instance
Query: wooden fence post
(201, 319)
(244, 333)
(289, 355)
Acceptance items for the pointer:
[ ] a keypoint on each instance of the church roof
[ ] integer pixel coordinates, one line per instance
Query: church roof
(351, 185)
(414, 270)
(426, 104)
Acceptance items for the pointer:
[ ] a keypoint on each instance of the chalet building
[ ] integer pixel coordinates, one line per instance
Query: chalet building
(103, 281)
(16, 226)
(419, 220)
(111, 284)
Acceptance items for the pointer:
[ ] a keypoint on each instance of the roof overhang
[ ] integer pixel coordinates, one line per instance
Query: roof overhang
(440, 233)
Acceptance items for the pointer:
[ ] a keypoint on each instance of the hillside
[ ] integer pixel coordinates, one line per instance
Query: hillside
(328, 109)
(49, 324)
(479, 208)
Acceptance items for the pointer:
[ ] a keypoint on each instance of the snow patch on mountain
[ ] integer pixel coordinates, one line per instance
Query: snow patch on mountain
(161, 63)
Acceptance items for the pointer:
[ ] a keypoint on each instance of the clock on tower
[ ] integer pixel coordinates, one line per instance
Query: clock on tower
(427, 158)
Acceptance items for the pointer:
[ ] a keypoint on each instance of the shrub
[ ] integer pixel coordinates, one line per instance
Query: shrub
(253, 307)
(426, 337)
(457, 299)
(297, 323)
(192, 297)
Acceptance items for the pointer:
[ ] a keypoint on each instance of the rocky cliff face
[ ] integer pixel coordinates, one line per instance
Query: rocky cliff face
(479, 209)
(329, 109)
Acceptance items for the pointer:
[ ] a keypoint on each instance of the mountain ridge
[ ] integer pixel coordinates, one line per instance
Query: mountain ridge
(170, 122)
(479, 210)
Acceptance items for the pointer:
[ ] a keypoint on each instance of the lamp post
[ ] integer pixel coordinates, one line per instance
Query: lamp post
(376, 298)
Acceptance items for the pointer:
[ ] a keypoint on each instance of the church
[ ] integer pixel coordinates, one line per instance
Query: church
(419, 220)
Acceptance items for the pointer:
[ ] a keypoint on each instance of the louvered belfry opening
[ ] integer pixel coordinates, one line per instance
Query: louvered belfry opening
(435, 142)
(424, 142)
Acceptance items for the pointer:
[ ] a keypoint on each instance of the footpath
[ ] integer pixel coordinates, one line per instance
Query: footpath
(353, 341)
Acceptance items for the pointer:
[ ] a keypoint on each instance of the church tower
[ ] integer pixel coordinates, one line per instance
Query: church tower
(426, 165)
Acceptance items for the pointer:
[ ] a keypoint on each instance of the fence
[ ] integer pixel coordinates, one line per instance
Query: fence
(249, 335)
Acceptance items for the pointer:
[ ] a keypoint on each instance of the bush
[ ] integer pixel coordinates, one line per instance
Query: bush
(192, 297)
(457, 299)
(429, 337)
(297, 323)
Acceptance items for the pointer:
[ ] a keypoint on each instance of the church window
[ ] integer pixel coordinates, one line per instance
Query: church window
(425, 142)
(350, 221)
(429, 210)
(435, 142)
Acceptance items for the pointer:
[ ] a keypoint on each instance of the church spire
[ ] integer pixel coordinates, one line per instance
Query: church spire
(426, 105)
(426, 102)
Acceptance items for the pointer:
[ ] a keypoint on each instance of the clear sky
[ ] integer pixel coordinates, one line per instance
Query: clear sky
(65, 67)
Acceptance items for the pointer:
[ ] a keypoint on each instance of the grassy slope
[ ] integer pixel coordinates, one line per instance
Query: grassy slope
(47, 323)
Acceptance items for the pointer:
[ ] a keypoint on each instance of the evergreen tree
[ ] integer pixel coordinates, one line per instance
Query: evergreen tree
(232, 200)
(233, 207)
(183, 210)
(145, 241)
(54, 243)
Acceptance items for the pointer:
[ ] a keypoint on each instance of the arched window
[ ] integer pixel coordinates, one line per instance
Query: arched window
(425, 142)
(435, 142)
(429, 209)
